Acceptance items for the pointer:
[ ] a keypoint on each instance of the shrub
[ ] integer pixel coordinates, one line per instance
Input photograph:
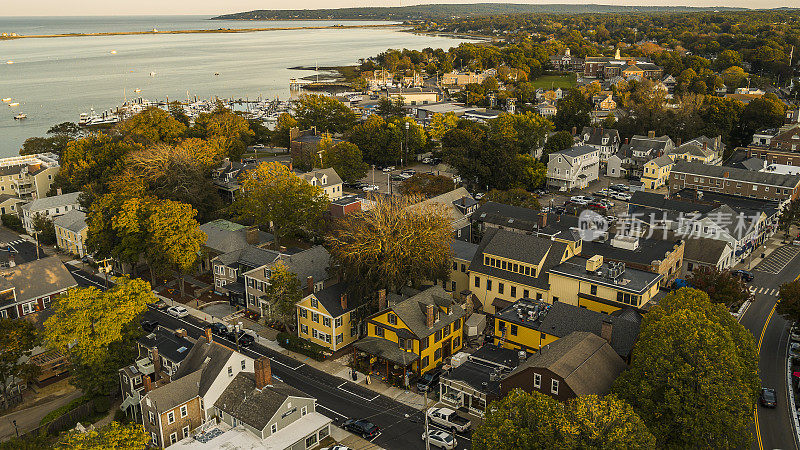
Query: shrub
(52, 415)
(102, 404)
(12, 222)
(295, 344)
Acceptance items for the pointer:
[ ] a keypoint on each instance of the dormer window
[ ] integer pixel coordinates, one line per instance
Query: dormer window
(324, 180)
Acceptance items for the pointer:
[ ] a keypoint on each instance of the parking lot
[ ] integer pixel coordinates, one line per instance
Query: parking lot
(388, 182)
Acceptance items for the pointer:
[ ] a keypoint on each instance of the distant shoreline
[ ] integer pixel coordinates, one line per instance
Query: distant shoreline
(218, 30)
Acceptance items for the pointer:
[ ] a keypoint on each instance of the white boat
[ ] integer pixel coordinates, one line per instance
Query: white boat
(137, 91)
(152, 74)
(113, 52)
(21, 116)
(9, 62)
(13, 104)
(7, 99)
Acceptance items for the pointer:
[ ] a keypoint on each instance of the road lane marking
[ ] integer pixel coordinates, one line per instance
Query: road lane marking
(359, 396)
(76, 274)
(328, 409)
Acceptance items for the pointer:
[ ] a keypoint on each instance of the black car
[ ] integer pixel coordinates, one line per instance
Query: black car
(218, 329)
(428, 381)
(361, 427)
(149, 325)
(245, 340)
(768, 398)
(744, 275)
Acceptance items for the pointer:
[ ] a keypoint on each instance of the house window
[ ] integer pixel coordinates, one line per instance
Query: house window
(326, 321)
(185, 409)
(554, 387)
(243, 366)
(477, 282)
(463, 268)
(314, 333)
(593, 289)
(303, 411)
(513, 330)
(423, 343)
(311, 440)
(500, 288)
(338, 322)
(303, 329)
(525, 293)
(437, 354)
(438, 336)
(230, 371)
(488, 285)
(314, 302)
(452, 285)
(339, 338)
(392, 319)
(455, 265)
(303, 313)
(315, 317)
(378, 331)
(170, 417)
(513, 291)
(154, 438)
(425, 361)
(152, 417)
(273, 428)
(537, 380)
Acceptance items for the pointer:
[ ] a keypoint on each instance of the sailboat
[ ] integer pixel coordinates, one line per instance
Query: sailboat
(7, 99)
(14, 104)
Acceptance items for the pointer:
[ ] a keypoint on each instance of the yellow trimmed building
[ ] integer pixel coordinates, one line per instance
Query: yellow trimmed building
(71, 232)
(656, 172)
(417, 333)
(326, 318)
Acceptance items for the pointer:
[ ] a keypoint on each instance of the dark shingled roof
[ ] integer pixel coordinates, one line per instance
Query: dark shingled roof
(583, 360)
(649, 250)
(562, 319)
(736, 174)
(255, 407)
(704, 251)
(508, 216)
(463, 250)
(170, 346)
(411, 311)
(249, 256)
(331, 299)
(207, 359)
(507, 244)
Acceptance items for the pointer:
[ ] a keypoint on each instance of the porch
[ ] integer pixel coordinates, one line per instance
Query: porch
(386, 360)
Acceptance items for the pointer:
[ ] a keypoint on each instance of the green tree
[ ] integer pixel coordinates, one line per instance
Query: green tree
(273, 195)
(790, 216)
(765, 112)
(347, 160)
(18, 338)
(283, 292)
(395, 243)
(325, 113)
(734, 77)
(151, 126)
(692, 357)
(726, 59)
(722, 286)
(44, 229)
(88, 164)
(131, 436)
(789, 301)
(177, 113)
(426, 185)
(514, 197)
(96, 330)
(225, 129)
(51, 144)
(280, 135)
(573, 111)
(521, 421)
(390, 107)
(13, 222)
(372, 137)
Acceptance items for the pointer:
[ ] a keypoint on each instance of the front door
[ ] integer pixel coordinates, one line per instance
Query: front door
(446, 346)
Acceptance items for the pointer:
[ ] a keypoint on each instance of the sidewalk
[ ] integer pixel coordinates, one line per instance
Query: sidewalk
(771, 244)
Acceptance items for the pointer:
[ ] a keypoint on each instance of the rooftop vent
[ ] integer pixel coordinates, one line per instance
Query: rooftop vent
(594, 263)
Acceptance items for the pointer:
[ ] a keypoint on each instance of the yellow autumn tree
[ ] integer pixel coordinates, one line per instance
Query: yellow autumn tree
(131, 436)
(441, 124)
(274, 196)
(398, 241)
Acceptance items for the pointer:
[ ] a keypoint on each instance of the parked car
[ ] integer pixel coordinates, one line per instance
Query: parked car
(149, 325)
(409, 171)
(540, 192)
(449, 419)
(768, 398)
(245, 340)
(429, 380)
(620, 188)
(427, 160)
(405, 176)
(397, 177)
(361, 427)
(794, 333)
(388, 169)
(794, 350)
(218, 329)
(743, 274)
(159, 304)
(478, 196)
(441, 439)
(582, 200)
(624, 196)
(608, 203)
(177, 311)
(598, 205)
(370, 188)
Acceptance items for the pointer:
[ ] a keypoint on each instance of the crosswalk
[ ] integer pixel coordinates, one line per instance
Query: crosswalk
(12, 243)
(778, 259)
(771, 292)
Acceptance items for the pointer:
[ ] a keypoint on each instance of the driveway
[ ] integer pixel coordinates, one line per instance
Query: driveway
(28, 419)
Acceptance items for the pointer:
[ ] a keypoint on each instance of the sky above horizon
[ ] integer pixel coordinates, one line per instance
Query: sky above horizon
(213, 7)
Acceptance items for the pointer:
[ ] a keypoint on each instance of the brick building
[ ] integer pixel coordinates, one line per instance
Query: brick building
(734, 181)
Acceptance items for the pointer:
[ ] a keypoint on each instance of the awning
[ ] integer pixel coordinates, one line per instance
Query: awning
(385, 349)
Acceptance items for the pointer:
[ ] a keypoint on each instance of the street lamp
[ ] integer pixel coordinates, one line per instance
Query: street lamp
(406, 140)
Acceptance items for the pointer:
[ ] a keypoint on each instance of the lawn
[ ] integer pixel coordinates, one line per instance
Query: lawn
(555, 81)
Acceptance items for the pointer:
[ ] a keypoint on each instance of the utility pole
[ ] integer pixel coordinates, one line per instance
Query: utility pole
(105, 269)
(425, 413)
(406, 139)
(36, 233)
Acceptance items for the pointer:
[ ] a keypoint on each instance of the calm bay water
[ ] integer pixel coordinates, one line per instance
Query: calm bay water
(54, 80)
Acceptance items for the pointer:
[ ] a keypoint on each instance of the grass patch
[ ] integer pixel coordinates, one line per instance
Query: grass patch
(49, 417)
(555, 81)
(295, 344)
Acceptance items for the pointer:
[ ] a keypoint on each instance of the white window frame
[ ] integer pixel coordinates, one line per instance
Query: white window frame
(186, 431)
(173, 438)
(537, 380)
(170, 417)
(554, 387)
(184, 411)
(273, 428)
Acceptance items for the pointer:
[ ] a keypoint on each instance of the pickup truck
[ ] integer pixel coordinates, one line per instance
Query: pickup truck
(447, 418)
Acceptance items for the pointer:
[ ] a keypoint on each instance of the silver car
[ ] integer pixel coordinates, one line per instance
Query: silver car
(441, 439)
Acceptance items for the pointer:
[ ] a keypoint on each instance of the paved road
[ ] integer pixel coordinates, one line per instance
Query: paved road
(338, 399)
(775, 429)
(29, 418)
(23, 250)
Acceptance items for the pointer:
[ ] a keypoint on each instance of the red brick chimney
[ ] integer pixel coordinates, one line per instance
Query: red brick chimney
(430, 315)
(574, 131)
(542, 220)
(343, 301)
(382, 300)
(651, 134)
(263, 373)
(156, 361)
(310, 284)
(148, 385)
(678, 143)
(209, 335)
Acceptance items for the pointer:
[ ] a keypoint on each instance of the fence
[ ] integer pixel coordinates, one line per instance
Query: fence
(63, 422)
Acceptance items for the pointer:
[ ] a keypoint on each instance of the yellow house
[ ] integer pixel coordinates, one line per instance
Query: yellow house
(463, 253)
(71, 232)
(326, 318)
(698, 150)
(509, 266)
(656, 172)
(530, 325)
(417, 333)
(603, 287)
